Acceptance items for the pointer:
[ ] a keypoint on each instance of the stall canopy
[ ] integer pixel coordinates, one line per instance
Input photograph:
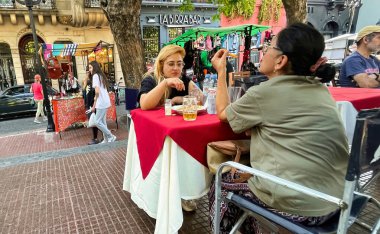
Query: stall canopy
(72, 49)
(194, 33)
(336, 48)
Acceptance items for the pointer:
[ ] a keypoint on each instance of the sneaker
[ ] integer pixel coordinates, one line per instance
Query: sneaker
(103, 141)
(188, 205)
(36, 121)
(93, 142)
(112, 139)
(44, 118)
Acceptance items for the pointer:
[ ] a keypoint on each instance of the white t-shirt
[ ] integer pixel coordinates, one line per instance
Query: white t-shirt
(103, 100)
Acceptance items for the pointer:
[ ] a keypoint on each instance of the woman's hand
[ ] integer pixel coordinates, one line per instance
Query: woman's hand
(177, 100)
(176, 83)
(219, 60)
(93, 109)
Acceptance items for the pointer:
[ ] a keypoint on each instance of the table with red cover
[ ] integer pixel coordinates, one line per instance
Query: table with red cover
(166, 162)
(72, 110)
(153, 126)
(360, 98)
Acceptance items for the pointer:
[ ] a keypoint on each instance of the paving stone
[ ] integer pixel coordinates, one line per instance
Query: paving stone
(65, 186)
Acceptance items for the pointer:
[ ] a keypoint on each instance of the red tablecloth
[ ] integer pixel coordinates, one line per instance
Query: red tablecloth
(151, 128)
(69, 111)
(359, 97)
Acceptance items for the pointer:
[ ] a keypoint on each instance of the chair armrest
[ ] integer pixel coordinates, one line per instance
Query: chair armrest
(297, 187)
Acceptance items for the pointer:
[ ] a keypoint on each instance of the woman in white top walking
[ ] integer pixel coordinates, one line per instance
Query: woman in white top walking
(101, 101)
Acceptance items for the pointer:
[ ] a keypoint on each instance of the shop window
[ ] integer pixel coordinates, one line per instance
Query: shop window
(151, 42)
(27, 57)
(7, 71)
(104, 57)
(175, 32)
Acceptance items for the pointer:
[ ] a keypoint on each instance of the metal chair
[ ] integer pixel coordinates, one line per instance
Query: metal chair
(364, 158)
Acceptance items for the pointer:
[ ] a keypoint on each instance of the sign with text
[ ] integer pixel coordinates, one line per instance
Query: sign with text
(176, 19)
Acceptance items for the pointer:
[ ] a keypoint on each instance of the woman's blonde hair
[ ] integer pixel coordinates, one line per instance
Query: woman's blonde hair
(158, 72)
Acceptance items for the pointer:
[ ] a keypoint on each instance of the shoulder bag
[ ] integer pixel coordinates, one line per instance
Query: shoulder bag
(219, 152)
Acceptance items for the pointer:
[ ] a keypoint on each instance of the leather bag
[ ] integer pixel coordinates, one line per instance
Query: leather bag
(219, 152)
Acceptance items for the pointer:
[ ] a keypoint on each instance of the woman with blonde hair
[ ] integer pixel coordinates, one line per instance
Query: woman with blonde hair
(166, 80)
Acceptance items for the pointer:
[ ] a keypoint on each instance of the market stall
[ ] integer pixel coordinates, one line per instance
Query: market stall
(200, 42)
(59, 60)
(70, 110)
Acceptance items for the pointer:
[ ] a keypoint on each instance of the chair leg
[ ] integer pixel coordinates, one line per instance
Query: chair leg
(239, 223)
(377, 227)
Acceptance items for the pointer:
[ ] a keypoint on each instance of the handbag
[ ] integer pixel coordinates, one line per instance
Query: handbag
(219, 152)
(92, 121)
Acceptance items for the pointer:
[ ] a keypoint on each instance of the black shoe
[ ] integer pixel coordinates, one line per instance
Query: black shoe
(93, 142)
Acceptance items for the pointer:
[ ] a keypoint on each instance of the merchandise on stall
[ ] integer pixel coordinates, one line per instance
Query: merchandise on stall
(200, 42)
(60, 61)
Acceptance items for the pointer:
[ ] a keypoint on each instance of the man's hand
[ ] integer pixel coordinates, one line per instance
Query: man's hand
(219, 60)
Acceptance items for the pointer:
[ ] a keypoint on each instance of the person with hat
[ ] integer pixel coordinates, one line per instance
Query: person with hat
(361, 68)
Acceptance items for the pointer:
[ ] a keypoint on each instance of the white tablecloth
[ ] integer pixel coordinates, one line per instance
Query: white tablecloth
(348, 115)
(174, 175)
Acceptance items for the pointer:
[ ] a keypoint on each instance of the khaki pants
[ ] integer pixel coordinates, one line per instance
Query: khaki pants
(40, 108)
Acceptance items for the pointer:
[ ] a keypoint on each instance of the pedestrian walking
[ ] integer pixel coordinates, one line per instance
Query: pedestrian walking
(38, 96)
(101, 101)
(89, 94)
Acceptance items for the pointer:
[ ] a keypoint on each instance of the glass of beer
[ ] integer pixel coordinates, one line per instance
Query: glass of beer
(190, 108)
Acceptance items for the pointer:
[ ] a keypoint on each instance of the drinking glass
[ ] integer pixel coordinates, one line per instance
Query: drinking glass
(168, 107)
(190, 108)
(234, 93)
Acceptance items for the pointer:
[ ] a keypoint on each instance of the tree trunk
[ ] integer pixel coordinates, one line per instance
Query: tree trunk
(295, 11)
(124, 19)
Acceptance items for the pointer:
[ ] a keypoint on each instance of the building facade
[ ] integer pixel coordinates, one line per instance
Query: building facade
(82, 21)
(330, 17)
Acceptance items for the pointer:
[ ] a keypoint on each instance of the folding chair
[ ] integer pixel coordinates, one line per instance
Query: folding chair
(364, 157)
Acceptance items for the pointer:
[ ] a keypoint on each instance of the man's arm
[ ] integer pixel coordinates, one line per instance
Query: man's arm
(367, 81)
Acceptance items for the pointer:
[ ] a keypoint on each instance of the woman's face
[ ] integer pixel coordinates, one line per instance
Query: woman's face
(90, 69)
(268, 62)
(172, 66)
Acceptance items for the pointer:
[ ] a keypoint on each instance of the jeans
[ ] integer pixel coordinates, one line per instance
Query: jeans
(101, 123)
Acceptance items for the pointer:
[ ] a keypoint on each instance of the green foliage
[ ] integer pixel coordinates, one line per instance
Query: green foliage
(269, 9)
(235, 8)
(187, 5)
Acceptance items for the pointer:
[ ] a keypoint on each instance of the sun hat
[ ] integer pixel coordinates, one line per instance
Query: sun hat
(367, 30)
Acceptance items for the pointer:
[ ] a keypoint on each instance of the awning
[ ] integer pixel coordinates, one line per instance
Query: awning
(194, 33)
(73, 49)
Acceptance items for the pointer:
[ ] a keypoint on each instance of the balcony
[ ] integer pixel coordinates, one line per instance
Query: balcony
(92, 3)
(197, 3)
(8, 4)
(177, 3)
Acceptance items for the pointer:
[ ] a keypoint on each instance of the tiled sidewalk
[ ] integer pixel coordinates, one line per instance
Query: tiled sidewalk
(40, 141)
(79, 190)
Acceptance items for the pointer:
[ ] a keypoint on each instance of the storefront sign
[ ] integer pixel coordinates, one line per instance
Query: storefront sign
(169, 19)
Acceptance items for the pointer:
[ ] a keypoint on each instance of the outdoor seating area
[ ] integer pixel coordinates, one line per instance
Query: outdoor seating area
(169, 165)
